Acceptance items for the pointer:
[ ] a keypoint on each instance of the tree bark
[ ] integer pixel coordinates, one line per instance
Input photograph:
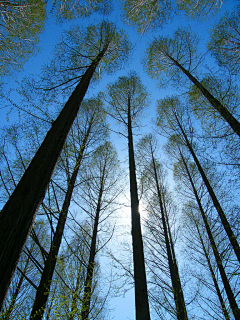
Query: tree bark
(18, 214)
(228, 117)
(141, 295)
(225, 281)
(49, 267)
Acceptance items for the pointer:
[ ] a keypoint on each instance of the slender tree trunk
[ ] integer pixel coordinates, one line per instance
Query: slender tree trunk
(88, 283)
(225, 223)
(224, 310)
(7, 314)
(176, 272)
(225, 281)
(26, 278)
(49, 267)
(75, 295)
(176, 284)
(141, 295)
(18, 214)
(228, 117)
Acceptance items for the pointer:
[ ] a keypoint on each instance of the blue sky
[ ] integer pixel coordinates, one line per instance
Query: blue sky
(124, 307)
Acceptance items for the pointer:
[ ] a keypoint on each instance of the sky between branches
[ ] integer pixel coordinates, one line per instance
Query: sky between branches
(52, 34)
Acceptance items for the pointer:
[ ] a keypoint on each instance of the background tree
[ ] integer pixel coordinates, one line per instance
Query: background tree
(100, 193)
(65, 297)
(151, 14)
(225, 41)
(196, 241)
(147, 14)
(218, 258)
(71, 9)
(21, 24)
(199, 9)
(199, 215)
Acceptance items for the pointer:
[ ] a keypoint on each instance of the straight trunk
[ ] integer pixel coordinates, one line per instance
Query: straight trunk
(141, 295)
(223, 111)
(224, 310)
(88, 283)
(225, 223)
(225, 281)
(49, 267)
(176, 284)
(18, 214)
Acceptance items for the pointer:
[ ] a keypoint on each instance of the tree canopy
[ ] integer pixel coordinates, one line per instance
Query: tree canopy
(225, 41)
(21, 23)
(80, 228)
(71, 9)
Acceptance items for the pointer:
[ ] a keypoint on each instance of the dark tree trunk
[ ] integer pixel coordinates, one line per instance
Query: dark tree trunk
(49, 267)
(225, 223)
(88, 283)
(224, 310)
(228, 117)
(18, 214)
(176, 284)
(225, 281)
(141, 295)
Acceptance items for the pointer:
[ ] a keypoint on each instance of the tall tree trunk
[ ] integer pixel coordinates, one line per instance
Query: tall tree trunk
(225, 281)
(18, 214)
(176, 284)
(88, 283)
(49, 267)
(223, 111)
(225, 223)
(224, 310)
(141, 295)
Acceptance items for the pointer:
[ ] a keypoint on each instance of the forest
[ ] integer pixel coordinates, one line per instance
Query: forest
(120, 127)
